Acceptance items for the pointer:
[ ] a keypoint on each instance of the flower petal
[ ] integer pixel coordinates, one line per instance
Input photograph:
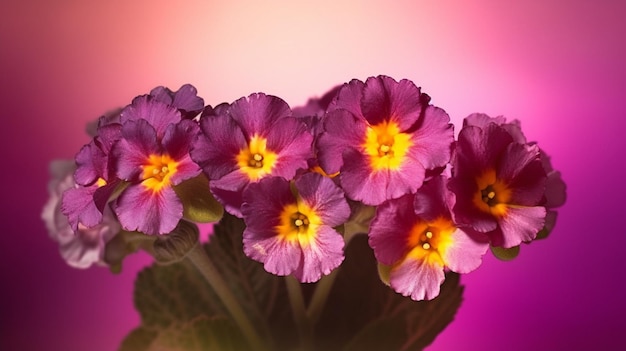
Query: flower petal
(433, 138)
(520, 224)
(324, 197)
(466, 252)
(139, 141)
(373, 187)
(149, 212)
(78, 205)
(390, 229)
(256, 113)
(158, 114)
(342, 130)
(292, 142)
(215, 150)
(417, 279)
(522, 171)
(384, 99)
(322, 256)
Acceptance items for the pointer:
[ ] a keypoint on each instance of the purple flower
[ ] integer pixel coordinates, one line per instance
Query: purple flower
(185, 99)
(382, 137)
(554, 195)
(416, 237)
(250, 139)
(84, 246)
(153, 156)
(95, 178)
(499, 184)
(290, 229)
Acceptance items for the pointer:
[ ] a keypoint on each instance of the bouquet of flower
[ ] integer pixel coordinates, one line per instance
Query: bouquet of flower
(291, 191)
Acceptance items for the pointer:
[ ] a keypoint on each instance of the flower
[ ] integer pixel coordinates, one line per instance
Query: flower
(84, 246)
(499, 185)
(185, 99)
(382, 136)
(252, 138)
(95, 178)
(153, 156)
(290, 228)
(554, 195)
(416, 237)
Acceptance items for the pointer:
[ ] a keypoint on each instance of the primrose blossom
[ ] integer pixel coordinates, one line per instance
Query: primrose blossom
(416, 239)
(382, 136)
(250, 139)
(289, 226)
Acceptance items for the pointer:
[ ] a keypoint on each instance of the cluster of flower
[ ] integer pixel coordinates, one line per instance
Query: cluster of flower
(300, 177)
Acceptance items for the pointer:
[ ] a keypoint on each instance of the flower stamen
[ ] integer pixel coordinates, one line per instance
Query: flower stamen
(157, 171)
(256, 160)
(493, 195)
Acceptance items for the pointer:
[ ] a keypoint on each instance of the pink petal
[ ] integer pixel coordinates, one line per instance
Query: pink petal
(417, 279)
(141, 209)
(465, 254)
(519, 224)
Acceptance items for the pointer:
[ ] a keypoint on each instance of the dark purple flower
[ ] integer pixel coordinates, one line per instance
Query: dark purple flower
(417, 239)
(290, 229)
(250, 139)
(185, 99)
(554, 195)
(95, 178)
(153, 155)
(499, 185)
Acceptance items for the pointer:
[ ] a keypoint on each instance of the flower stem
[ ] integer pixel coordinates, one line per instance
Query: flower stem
(320, 295)
(323, 287)
(205, 266)
(299, 312)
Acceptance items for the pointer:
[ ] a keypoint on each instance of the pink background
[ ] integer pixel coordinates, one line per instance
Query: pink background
(558, 66)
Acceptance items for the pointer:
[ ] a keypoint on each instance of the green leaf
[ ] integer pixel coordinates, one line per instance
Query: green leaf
(505, 254)
(218, 334)
(199, 205)
(170, 297)
(179, 310)
(139, 339)
(362, 313)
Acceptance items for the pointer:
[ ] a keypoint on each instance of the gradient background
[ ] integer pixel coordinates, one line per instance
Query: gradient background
(558, 66)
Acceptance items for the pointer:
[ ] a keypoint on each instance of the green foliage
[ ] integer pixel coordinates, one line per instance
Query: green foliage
(179, 310)
(362, 313)
(505, 254)
(199, 205)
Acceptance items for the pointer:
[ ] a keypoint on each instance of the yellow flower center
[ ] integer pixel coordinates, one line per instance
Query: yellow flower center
(101, 182)
(386, 145)
(256, 161)
(298, 224)
(428, 241)
(492, 195)
(157, 171)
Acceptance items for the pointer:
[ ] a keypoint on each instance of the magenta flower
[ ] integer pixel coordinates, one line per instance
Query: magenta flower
(382, 137)
(95, 178)
(250, 139)
(153, 155)
(290, 229)
(416, 237)
(81, 247)
(499, 185)
(554, 195)
(185, 99)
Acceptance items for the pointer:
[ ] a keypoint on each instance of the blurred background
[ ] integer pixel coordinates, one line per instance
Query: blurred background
(558, 66)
